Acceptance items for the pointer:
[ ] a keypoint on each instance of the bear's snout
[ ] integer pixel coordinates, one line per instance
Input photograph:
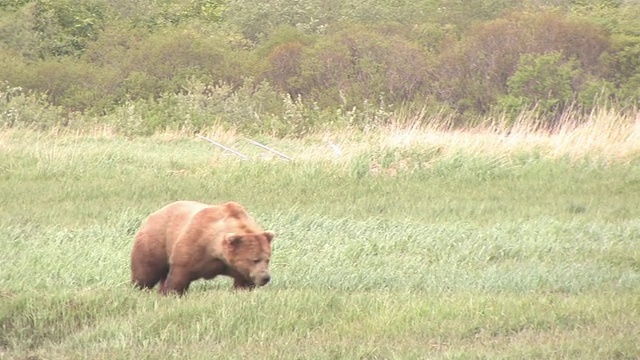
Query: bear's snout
(266, 279)
(261, 280)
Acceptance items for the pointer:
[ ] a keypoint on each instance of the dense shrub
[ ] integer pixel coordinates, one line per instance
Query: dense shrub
(65, 27)
(293, 66)
(250, 109)
(474, 73)
(542, 82)
(28, 110)
(353, 65)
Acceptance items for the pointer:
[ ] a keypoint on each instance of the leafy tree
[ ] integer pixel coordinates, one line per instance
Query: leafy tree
(64, 27)
(12, 4)
(158, 14)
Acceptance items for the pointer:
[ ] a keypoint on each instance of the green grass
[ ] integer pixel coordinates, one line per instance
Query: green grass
(426, 250)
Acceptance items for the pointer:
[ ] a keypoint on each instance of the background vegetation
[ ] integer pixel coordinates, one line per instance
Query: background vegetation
(288, 67)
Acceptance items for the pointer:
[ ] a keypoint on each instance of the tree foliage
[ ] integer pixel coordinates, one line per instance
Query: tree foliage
(473, 57)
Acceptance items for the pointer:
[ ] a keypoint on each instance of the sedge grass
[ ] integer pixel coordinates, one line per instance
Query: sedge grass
(411, 243)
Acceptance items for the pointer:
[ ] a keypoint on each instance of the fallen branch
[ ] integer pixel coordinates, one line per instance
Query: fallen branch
(223, 147)
(270, 149)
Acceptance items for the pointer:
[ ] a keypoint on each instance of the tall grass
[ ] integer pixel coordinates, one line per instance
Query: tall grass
(410, 242)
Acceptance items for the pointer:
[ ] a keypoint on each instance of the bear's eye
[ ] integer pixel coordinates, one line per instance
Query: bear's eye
(255, 261)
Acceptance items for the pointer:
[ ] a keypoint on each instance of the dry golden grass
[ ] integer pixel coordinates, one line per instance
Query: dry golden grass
(605, 134)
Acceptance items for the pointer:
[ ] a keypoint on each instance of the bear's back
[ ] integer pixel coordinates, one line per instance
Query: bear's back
(201, 221)
(223, 218)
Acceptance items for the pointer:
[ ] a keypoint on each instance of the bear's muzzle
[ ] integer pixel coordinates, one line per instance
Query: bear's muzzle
(261, 280)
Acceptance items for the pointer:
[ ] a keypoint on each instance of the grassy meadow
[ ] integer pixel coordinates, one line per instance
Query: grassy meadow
(408, 243)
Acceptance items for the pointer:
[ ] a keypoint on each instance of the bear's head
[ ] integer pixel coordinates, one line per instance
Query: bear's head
(249, 254)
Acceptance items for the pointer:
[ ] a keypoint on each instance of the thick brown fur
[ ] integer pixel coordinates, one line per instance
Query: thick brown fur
(187, 240)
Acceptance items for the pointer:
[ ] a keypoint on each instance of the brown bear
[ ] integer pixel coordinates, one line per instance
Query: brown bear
(187, 240)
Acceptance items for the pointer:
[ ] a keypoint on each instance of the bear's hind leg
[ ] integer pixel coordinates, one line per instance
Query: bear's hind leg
(147, 277)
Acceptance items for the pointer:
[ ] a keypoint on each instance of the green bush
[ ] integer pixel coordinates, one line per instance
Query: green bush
(359, 64)
(474, 73)
(17, 38)
(12, 4)
(68, 82)
(65, 27)
(544, 82)
(258, 20)
(20, 109)
(596, 93)
(621, 67)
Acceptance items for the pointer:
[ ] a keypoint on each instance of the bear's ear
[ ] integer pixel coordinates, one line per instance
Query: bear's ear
(269, 235)
(233, 239)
